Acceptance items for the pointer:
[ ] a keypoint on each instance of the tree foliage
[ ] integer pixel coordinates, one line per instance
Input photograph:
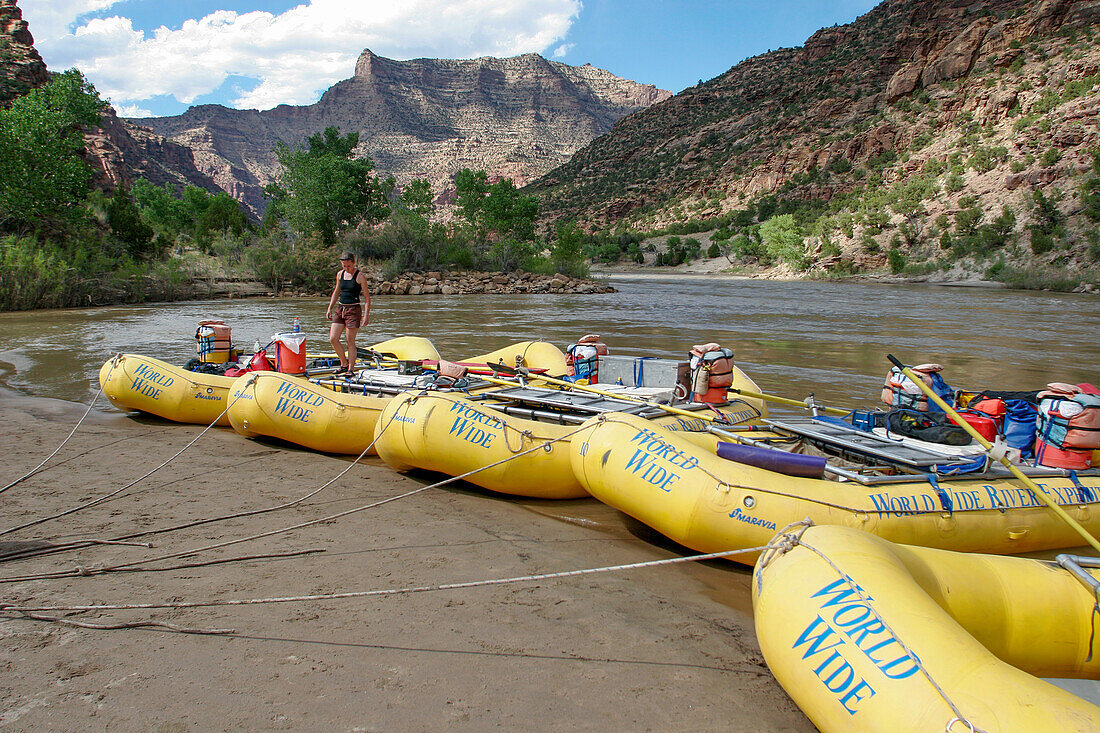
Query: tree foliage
(782, 239)
(126, 224)
(43, 179)
(495, 210)
(417, 197)
(323, 189)
(196, 213)
(567, 252)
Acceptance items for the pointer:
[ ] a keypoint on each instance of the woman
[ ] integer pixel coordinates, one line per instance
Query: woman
(348, 313)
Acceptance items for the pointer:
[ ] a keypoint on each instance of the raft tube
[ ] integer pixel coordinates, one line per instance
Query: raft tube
(842, 618)
(447, 433)
(298, 411)
(531, 354)
(692, 496)
(443, 432)
(269, 404)
(133, 382)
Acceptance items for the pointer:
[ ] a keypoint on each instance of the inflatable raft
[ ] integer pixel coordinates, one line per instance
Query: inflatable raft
(133, 382)
(454, 434)
(868, 635)
(313, 415)
(145, 384)
(710, 504)
(338, 415)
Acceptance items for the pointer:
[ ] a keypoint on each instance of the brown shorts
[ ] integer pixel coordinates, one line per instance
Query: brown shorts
(349, 315)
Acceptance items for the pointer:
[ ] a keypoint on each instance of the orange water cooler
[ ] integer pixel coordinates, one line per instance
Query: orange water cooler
(290, 352)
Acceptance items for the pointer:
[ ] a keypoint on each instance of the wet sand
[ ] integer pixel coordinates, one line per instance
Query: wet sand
(660, 648)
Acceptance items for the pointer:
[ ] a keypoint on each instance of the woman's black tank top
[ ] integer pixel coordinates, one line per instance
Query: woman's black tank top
(350, 289)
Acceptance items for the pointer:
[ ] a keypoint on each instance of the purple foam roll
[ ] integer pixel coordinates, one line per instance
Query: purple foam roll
(770, 459)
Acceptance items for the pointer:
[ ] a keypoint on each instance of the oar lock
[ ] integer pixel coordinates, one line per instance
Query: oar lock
(998, 449)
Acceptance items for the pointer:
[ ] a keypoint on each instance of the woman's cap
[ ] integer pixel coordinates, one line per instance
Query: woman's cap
(347, 256)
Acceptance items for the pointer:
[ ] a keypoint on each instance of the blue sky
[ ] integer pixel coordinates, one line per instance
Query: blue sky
(152, 57)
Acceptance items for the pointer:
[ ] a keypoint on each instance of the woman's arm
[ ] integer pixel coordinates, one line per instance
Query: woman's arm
(332, 300)
(366, 297)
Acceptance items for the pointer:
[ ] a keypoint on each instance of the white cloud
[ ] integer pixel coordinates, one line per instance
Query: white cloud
(293, 56)
(50, 19)
(132, 110)
(563, 49)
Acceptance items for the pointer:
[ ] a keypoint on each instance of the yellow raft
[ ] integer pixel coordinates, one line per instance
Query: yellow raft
(332, 421)
(843, 618)
(450, 434)
(710, 504)
(531, 354)
(440, 431)
(133, 382)
(298, 411)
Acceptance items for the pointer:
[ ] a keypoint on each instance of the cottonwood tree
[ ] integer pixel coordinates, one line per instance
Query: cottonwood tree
(324, 189)
(43, 179)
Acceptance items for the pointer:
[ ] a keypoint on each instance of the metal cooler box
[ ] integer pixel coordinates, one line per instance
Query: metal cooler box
(642, 371)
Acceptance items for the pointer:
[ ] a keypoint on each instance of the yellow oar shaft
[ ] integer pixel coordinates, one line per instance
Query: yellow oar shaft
(676, 410)
(787, 401)
(1031, 485)
(594, 390)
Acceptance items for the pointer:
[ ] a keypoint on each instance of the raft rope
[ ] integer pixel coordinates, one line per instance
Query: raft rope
(779, 547)
(86, 571)
(164, 530)
(117, 491)
(505, 427)
(27, 611)
(33, 471)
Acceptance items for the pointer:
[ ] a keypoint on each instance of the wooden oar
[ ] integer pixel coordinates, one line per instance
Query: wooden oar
(1031, 485)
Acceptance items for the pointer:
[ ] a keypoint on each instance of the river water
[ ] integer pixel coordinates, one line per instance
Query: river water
(793, 338)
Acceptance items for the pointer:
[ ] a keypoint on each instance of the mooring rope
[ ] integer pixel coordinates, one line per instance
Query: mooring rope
(33, 471)
(86, 571)
(139, 479)
(175, 605)
(164, 530)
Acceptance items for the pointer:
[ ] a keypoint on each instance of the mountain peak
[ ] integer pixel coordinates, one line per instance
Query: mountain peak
(515, 117)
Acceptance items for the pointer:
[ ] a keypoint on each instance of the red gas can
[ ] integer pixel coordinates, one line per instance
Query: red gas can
(986, 426)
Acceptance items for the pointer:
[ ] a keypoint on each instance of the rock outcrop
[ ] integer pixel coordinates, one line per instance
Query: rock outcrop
(883, 95)
(425, 118)
(21, 68)
(444, 283)
(117, 151)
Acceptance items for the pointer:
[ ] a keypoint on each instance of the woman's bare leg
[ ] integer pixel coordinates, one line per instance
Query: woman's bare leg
(334, 334)
(351, 346)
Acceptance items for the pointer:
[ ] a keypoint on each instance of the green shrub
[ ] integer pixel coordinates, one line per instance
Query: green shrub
(301, 266)
(126, 224)
(967, 220)
(782, 240)
(839, 165)
(1041, 242)
(896, 260)
(985, 159)
(566, 253)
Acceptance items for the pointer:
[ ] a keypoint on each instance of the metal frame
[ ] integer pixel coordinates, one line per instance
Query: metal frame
(1076, 565)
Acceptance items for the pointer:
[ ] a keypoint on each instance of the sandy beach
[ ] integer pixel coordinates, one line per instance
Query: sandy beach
(661, 648)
